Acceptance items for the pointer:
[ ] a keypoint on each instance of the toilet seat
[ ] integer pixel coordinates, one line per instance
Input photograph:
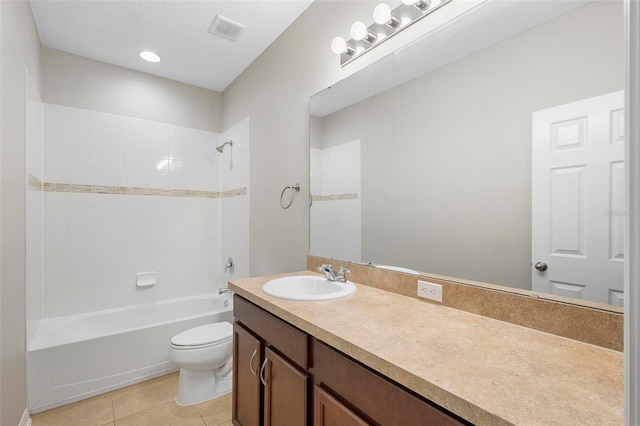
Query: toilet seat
(203, 336)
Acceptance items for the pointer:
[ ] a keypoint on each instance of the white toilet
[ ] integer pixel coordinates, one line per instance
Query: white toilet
(203, 355)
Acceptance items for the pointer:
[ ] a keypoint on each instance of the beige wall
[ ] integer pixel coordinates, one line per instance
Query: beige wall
(79, 82)
(274, 91)
(446, 157)
(19, 49)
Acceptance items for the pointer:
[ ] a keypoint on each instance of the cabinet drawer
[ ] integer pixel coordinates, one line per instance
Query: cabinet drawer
(290, 341)
(372, 396)
(328, 411)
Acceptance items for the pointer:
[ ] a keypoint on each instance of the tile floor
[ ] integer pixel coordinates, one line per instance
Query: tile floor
(149, 403)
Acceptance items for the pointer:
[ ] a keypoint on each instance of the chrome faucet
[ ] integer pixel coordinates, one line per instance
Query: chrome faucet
(224, 290)
(332, 275)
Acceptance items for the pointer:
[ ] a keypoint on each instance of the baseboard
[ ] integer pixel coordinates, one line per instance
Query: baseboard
(26, 419)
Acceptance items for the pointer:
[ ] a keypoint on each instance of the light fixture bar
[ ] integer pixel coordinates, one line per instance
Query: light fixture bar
(386, 24)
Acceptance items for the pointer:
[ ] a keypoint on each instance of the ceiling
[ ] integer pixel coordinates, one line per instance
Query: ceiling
(115, 31)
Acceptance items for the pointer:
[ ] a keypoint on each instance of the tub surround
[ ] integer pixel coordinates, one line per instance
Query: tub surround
(543, 312)
(120, 195)
(484, 370)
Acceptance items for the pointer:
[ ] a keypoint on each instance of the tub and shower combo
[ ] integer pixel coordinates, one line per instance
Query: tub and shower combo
(75, 357)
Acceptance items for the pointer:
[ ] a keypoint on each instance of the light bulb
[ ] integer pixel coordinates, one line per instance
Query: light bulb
(339, 45)
(382, 13)
(150, 56)
(358, 30)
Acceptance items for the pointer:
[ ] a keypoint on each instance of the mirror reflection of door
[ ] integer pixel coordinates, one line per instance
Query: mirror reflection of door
(578, 203)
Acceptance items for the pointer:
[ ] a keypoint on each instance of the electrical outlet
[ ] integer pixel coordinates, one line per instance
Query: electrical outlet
(430, 291)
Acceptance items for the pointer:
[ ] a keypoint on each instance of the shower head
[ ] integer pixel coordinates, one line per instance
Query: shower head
(221, 147)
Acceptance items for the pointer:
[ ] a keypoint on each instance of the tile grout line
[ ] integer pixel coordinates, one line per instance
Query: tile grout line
(200, 414)
(204, 421)
(113, 410)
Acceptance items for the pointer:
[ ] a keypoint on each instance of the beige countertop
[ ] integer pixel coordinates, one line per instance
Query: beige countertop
(484, 370)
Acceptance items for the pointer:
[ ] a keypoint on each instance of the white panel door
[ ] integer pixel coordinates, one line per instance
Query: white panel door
(578, 199)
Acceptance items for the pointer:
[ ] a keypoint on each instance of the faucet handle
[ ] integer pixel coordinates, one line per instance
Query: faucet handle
(324, 267)
(340, 275)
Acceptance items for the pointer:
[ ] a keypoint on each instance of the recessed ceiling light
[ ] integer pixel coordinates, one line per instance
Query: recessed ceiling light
(149, 56)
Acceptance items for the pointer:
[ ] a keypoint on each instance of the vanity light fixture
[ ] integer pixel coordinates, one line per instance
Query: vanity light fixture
(150, 56)
(387, 22)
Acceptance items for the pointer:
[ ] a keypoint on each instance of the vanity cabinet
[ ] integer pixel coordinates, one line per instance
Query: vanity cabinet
(279, 370)
(270, 382)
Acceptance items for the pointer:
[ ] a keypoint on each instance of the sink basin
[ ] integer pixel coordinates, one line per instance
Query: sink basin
(307, 287)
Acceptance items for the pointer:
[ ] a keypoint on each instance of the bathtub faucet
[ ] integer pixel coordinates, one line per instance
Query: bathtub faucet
(224, 290)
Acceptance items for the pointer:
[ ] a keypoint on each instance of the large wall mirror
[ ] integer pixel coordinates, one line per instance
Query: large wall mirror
(485, 149)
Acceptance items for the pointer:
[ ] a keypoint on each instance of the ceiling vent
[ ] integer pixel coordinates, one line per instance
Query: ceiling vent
(226, 28)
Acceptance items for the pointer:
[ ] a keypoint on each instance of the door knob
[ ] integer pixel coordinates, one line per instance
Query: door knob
(540, 266)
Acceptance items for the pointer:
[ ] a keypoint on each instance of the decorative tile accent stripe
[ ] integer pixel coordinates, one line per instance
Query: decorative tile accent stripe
(132, 190)
(34, 183)
(234, 192)
(335, 197)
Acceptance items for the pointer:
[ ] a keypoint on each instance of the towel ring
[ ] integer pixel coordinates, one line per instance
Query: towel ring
(295, 187)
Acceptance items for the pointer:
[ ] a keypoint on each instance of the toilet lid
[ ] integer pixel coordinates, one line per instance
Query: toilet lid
(204, 335)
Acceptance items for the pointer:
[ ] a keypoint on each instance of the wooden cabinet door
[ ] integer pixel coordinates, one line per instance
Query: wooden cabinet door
(328, 411)
(285, 392)
(246, 380)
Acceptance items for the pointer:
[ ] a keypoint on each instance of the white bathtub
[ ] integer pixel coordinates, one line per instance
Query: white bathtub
(79, 356)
